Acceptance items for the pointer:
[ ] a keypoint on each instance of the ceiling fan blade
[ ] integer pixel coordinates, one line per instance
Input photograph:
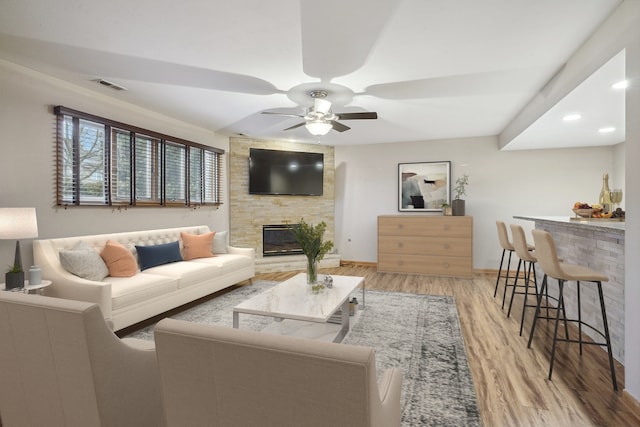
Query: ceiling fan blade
(339, 126)
(475, 84)
(337, 35)
(275, 113)
(295, 126)
(357, 116)
(109, 65)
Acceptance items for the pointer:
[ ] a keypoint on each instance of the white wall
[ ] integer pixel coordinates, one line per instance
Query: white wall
(27, 164)
(632, 205)
(501, 185)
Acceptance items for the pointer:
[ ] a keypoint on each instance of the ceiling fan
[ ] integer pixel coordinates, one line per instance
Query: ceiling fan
(319, 119)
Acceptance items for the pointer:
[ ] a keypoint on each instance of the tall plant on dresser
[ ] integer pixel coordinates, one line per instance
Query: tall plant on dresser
(460, 189)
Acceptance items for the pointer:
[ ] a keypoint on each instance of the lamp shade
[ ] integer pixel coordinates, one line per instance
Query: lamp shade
(318, 127)
(18, 223)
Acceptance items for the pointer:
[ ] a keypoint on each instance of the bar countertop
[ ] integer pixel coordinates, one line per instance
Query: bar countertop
(581, 223)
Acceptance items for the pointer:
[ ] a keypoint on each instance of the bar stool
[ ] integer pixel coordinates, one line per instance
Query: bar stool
(503, 238)
(527, 261)
(563, 272)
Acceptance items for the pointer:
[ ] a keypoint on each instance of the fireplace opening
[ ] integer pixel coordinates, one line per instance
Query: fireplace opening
(279, 240)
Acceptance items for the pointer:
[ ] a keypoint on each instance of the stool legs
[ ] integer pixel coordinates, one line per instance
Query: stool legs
(506, 280)
(495, 291)
(607, 337)
(555, 328)
(526, 294)
(604, 333)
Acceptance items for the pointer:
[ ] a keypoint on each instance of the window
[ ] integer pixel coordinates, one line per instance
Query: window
(102, 162)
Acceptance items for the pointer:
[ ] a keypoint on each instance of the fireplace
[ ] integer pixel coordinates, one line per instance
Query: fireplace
(279, 240)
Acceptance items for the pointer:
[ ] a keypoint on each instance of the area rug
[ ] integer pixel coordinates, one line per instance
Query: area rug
(418, 333)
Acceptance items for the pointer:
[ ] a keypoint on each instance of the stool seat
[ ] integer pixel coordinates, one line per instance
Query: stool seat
(579, 273)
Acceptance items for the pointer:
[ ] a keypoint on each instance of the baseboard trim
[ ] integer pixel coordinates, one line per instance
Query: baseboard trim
(358, 263)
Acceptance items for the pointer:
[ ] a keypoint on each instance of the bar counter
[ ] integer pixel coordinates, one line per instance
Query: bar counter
(599, 245)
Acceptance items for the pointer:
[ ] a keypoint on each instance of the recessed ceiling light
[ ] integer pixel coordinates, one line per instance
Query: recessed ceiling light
(607, 129)
(623, 84)
(571, 117)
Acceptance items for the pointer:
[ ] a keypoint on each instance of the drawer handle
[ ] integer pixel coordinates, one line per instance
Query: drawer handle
(400, 244)
(446, 246)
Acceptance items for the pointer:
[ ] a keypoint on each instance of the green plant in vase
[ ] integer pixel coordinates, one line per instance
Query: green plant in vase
(461, 190)
(310, 237)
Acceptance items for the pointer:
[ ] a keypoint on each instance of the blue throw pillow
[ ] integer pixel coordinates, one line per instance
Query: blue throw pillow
(153, 256)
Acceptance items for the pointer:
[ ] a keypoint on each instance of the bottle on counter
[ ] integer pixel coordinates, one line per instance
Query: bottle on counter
(605, 194)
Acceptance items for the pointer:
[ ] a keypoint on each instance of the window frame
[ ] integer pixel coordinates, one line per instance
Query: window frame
(164, 169)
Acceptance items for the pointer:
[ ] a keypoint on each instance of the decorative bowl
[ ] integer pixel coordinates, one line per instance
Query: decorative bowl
(583, 213)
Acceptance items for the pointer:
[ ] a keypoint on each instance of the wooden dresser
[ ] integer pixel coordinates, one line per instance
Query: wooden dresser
(436, 245)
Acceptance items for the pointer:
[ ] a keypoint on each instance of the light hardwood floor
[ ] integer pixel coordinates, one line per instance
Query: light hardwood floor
(510, 379)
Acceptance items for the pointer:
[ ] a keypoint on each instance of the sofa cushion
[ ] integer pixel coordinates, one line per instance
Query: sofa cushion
(84, 261)
(188, 273)
(220, 242)
(120, 261)
(227, 262)
(152, 256)
(197, 245)
(139, 288)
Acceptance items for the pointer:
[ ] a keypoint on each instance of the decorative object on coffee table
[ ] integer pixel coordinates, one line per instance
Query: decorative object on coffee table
(17, 223)
(460, 189)
(310, 238)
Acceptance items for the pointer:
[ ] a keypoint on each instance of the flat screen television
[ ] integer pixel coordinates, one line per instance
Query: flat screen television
(278, 172)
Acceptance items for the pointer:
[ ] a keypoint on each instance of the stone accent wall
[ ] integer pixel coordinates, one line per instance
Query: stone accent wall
(602, 251)
(248, 213)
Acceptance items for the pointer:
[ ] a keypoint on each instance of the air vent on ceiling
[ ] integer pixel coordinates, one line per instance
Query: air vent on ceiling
(109, 84)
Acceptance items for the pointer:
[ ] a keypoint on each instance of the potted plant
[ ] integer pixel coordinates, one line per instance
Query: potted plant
(14, 277)
(310, 238)
(460, 189)
(446, 209)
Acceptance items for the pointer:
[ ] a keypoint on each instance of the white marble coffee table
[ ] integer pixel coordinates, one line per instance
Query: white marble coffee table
(293, 299)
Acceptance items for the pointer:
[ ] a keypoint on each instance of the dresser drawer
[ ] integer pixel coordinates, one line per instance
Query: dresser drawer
(421, 264)
(448, 226)
(416, 245)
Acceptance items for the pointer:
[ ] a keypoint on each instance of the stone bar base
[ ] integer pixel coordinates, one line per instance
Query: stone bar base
(598, 245)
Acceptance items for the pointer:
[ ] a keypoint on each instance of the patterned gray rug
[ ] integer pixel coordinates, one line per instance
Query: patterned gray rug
(418, 333)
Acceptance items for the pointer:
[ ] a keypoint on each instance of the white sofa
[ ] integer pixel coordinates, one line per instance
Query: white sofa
(128, 300)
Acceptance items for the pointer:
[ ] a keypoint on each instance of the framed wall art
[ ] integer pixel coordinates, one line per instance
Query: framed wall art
(424, 186)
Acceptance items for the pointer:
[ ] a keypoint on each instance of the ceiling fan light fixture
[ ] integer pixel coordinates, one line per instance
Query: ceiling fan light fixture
(321, 106)
(318, 127)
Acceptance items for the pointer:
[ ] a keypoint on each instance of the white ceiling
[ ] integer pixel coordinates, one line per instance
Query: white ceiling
(431, 69)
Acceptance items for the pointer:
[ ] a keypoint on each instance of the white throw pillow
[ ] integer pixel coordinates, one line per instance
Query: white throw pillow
(220, 242)
(84, 262)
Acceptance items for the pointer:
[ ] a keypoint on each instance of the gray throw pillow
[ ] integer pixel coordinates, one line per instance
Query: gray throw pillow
(84, 262)
(220, 242)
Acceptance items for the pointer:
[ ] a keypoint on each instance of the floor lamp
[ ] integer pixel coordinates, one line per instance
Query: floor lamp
(17, 223)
